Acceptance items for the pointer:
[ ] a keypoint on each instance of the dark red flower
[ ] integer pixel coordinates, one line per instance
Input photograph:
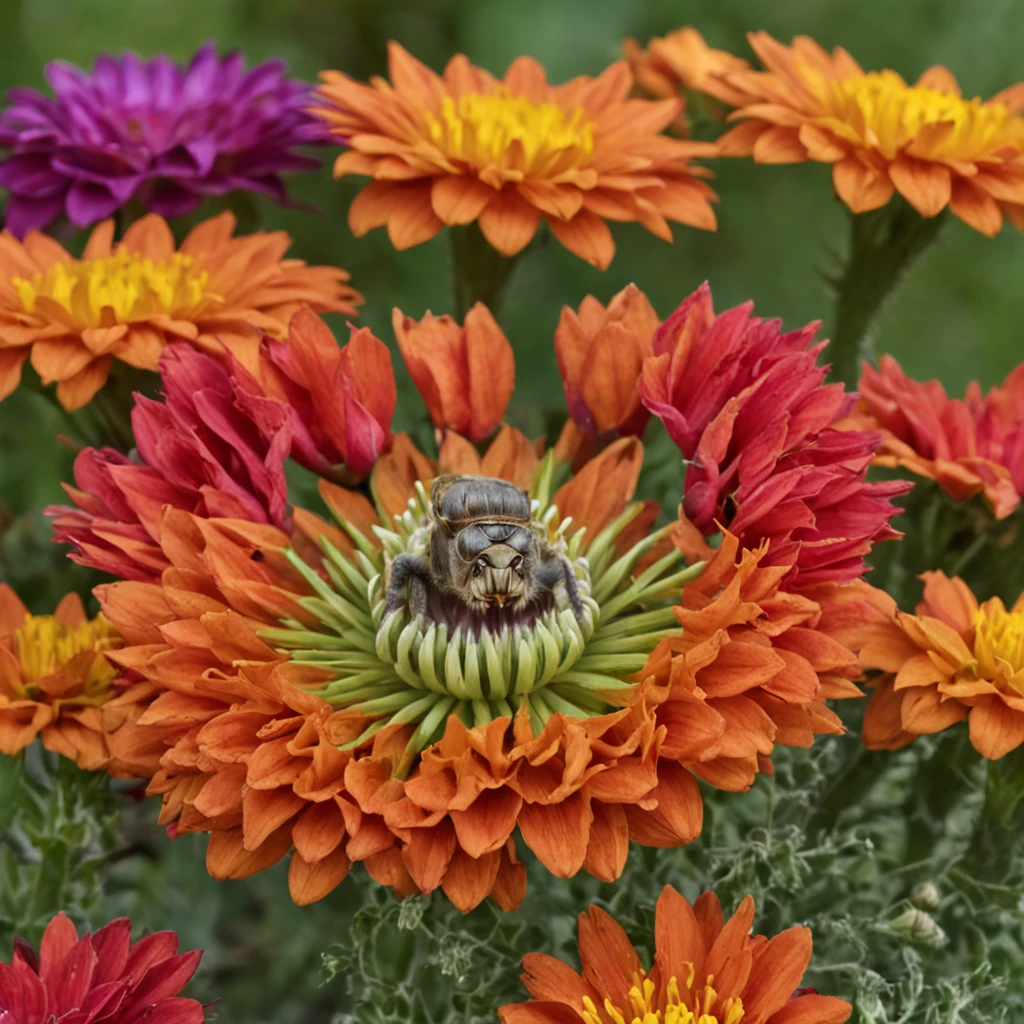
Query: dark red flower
(748, 407)
(101, 978)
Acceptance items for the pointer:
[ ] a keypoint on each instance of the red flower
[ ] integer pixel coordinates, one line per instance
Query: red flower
(198, 450)
(464, 374)
(968, 446)
(747, 406)
(338, 402)
(101, 978)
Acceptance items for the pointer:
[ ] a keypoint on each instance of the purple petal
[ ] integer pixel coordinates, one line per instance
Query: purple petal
(23, 214)
(88, 203)
(31, 175)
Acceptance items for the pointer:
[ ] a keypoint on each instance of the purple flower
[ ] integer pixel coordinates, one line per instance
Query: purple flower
(150, 131)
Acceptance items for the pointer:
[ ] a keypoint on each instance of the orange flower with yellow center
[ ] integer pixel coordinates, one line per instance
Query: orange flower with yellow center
(706, 970)
(881, 135)
(55, 677)
(954, 659)
(463, 147)
(130, 300)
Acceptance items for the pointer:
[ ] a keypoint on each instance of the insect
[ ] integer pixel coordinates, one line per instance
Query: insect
(484, 552)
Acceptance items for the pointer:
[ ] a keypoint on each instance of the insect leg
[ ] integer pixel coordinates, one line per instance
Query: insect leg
(558, 569)
(413, 570)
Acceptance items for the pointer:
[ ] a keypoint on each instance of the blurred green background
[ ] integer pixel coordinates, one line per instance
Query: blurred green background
(957, 317)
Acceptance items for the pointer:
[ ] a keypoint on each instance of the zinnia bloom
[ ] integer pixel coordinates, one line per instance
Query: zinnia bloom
(706, 970)
(954, 659)
(747, 406)
(151, 132)
(600, 355)
(216, 446)
(298, 717)
(101, 978)
(129, 301)
(683, 61)
(968, 446)
(881, 135)
(197, 450)
(465, 146)
(55, 675)
(466, 375)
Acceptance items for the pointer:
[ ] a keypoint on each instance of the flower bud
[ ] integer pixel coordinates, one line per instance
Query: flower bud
(600, 355)
(465, 375)
(925, 896)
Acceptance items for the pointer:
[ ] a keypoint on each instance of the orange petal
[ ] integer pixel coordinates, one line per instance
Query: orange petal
(609, 841)
(509, 222)
(778, 969)
(814, 1009)
(678, 938)
(312, 881)
(609, 960)
(975, 207)
(927, 186)
(460, 199)
(586, 235)
(861, 188)
(995, 728)
(411, 220)
(468, 879)
(558, 833)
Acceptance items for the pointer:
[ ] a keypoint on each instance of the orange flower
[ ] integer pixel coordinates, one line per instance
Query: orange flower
(600, 355)
(129, 301)
(682, 60)
(954, 659)
(968, 446)
(465, 146)
(706, 970)
(882, 135)
(465, 375)
(55, 678)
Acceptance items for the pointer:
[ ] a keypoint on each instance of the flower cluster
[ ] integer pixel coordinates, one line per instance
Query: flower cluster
(152, 133)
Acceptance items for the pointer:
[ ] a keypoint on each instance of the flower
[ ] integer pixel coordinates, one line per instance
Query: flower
(337, 402)
(706, 970)
(197, 450)
(881, 135)
(130, 301)
(600, 355)
(464, 147)
(746, 405)
(297, 716)
(682, 60)
(102, 978)
(953, 659)
(153, 133)
(465, 375)
(968, 446)
(55, 676)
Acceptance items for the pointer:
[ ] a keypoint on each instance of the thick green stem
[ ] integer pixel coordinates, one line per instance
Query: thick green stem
(884, 244)
(479, 272)
(992, 851)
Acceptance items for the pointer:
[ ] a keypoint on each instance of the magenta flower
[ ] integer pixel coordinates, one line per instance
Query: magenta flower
(153, 132)
(101, 978)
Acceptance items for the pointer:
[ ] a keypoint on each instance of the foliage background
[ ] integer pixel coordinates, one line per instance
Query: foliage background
(957, 317)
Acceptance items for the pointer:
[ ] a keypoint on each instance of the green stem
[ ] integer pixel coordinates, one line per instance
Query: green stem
(479, 272)
(884, 244)
(991, 853)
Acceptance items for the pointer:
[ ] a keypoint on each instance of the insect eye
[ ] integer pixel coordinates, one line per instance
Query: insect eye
(517, 564)
(477, 568)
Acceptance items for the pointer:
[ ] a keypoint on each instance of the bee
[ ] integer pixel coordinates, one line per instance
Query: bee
(485, 553)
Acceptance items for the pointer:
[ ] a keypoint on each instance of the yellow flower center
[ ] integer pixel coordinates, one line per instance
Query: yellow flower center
(881, 111)
(130, 286)
(44, 646)
(694, 1006)
(999, 644)
(511, 132)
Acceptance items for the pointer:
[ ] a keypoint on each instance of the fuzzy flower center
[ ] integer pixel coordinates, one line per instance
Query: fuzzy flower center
(130, 286)
(500, 129)
(999, 644)
(879, 109)
(416, 670)
(689, 1006)
(44, 646)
